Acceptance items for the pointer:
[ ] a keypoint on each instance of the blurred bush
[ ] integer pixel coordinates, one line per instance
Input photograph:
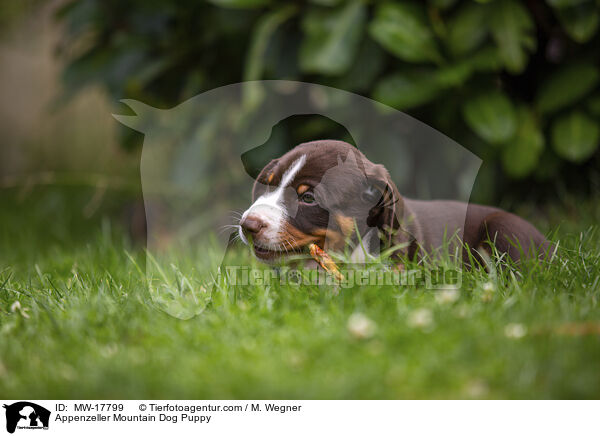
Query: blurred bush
(514, 81)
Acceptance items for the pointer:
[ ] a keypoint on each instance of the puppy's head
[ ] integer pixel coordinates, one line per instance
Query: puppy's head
(320, 192)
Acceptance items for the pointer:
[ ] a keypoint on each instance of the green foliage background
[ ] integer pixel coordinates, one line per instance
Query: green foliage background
(515, 82)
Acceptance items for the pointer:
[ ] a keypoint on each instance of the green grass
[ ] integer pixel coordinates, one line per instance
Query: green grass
(88, 328)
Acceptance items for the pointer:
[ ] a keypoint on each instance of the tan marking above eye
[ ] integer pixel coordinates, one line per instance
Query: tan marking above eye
(302, 189)
(270, 178)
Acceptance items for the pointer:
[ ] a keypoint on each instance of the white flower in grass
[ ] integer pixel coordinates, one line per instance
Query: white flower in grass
(463, 311)
(447, 296)
(360, 326)
(16, 307)
(489, 287)
(296, 360)
(68, 372)
(109, 350)
(515, 331)
(476, 389)
(420, 318)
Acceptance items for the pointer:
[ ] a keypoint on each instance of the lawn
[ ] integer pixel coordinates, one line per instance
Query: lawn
(77, 321)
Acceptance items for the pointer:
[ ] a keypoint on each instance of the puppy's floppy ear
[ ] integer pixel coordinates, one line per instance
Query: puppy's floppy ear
(389, 206)
(264, 177)
(390, 213)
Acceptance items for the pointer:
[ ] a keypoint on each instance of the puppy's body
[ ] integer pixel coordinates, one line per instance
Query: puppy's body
(474, 225)
(328, 193)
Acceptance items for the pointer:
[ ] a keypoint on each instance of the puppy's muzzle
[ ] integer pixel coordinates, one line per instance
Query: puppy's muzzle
(252, 225)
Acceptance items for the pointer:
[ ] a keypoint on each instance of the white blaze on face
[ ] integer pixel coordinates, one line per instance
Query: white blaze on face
(270, 209)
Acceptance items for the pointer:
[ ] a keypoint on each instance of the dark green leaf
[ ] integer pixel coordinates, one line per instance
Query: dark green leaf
(566, 86)
(261, 36)
(485, 59)
(331, 38)
(407, 90)
(580, 21)
(266, 26)
(454, 75)
(442, 4)
(491, 116)
(575, 136)
(565, 3)
(326, 2)
(512, 29)
(240, 4)
(522, 152)
(594, 105)
(365, 68)
(467, 29)
(402, 29)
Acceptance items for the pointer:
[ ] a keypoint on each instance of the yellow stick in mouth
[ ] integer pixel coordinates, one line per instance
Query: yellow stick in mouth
(325, 261)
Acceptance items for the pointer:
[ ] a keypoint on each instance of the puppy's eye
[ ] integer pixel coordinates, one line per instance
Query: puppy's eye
(308, 198)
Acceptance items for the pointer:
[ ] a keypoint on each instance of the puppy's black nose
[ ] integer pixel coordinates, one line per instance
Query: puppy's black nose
(252, 224)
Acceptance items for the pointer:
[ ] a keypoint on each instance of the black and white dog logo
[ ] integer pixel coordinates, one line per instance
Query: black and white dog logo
(26, 415)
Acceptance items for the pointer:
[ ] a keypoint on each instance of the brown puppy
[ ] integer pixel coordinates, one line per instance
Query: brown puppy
(327, 192)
